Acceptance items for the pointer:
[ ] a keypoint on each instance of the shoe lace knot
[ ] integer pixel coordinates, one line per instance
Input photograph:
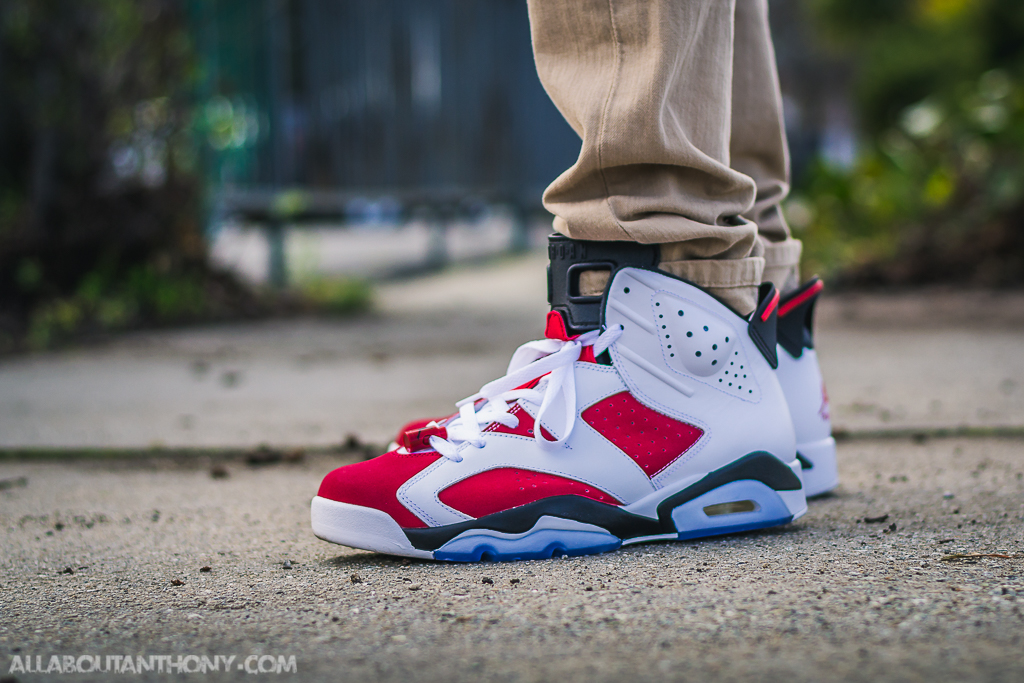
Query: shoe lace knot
(550, 359)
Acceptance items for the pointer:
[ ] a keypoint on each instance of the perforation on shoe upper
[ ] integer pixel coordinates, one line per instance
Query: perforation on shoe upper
(699, 343)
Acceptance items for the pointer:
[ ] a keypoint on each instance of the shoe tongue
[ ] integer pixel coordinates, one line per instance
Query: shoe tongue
(555, 327)
(532, 384)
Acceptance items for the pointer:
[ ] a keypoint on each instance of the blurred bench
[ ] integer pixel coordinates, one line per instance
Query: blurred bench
(274, 210)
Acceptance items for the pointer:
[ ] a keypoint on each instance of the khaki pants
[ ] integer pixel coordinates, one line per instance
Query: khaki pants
(679, 109)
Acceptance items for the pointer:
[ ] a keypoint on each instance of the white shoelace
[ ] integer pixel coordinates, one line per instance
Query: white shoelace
(551, 357)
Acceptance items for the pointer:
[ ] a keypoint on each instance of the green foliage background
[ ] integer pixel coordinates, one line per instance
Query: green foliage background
(101, 185)
(104, 138)
(937, 192)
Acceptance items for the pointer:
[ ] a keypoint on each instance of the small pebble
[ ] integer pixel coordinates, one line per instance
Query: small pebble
(414, 586)
(949, 495)
(399, 639)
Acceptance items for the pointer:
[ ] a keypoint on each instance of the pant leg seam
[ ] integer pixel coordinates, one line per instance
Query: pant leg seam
(604, 120)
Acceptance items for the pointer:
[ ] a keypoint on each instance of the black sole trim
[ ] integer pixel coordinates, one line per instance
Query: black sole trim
(758, 466)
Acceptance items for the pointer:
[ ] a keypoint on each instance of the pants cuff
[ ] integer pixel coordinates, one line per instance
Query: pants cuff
(782, 263)
(734, 282)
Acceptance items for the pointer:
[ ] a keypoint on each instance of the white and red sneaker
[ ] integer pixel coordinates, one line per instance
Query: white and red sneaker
(800, 377)
(802, 384)
(668, 424)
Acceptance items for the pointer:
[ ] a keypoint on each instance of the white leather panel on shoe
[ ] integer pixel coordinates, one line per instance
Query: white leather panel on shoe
(805, 391)
(621, 475)
(735, 421)
(586, 457)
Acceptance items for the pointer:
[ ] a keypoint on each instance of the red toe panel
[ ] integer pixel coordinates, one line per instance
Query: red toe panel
(374, 484)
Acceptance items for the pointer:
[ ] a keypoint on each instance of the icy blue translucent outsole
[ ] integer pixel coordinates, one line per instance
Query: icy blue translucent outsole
(691, 521)
(538, 545)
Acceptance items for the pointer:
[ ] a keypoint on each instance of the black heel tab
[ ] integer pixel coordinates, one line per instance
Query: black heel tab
(568, 258)
(796, 318)
(763, 323)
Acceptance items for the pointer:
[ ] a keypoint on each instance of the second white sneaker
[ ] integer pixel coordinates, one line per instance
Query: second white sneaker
(800, 377)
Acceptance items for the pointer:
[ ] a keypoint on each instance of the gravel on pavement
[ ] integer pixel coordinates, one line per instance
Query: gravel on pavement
(155, 556)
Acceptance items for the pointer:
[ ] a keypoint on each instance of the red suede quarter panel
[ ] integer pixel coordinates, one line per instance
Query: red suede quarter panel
(504, 488)
(651, 439)
(374, 483)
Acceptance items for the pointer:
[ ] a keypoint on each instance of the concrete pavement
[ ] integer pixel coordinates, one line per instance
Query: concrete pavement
(889, 362)
(175, 556)
(107, 558)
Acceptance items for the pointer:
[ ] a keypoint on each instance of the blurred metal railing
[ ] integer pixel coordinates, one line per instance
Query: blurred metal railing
(435, 103)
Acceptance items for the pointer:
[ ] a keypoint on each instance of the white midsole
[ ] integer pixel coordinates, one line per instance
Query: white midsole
(371, 529)
(544, 522)
(361, 527)
(647, 506)
(824, 476)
